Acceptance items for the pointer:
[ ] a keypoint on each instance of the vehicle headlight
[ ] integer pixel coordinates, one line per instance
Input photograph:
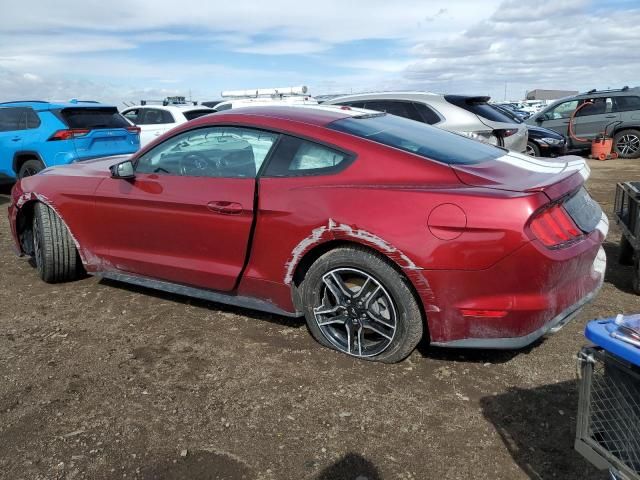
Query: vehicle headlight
(552, 141)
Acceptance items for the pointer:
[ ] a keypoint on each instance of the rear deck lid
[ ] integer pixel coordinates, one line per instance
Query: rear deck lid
(107, 131)
(520, 173)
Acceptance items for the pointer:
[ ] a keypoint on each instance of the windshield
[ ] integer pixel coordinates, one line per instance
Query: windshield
(418, 138)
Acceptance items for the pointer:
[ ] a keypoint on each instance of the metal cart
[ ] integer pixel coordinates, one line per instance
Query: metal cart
(608, 428)
(627, 213)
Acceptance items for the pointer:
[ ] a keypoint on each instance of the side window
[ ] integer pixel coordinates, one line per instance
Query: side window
(428, 115)
(154, 116)
(352, 104)
(395, 107)
(230, 152)
(132, 115)
(167, 117)
(33, 120)
(563, 110)
(295, 157)
(598, 106)
(12, 119)
(626, 104)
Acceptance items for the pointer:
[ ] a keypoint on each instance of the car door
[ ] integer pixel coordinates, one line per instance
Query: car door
(187, 215)
(594, 117)
(13, 127)
(557, 118)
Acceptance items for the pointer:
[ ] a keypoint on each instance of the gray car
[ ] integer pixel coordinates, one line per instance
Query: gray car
(617, 111)
(467, 115)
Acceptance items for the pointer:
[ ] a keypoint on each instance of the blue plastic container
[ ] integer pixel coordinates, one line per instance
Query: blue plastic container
(600, 332)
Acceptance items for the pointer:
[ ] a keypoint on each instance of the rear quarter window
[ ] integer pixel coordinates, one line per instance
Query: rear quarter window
(191, 114)
(418, 138)
(93, 118)
(478, 106)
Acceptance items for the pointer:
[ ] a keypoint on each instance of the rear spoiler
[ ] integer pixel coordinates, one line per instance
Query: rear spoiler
(466, 99)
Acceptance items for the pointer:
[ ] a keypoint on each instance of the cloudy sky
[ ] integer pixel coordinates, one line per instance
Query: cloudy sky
(125, 50)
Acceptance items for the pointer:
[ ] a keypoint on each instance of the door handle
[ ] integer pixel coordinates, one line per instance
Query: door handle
(16, 139)
(224, 207)
(611, 116)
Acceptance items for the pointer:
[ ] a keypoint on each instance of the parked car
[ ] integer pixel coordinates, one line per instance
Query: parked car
(520, 114)
(36, 134)
(542, 142)
(470, 116)
(619, 110)
(380, 230)
(154, 120)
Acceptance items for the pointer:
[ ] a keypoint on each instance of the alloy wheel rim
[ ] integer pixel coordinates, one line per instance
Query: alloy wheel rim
(356, 315)
(628, 144)
(530, 151)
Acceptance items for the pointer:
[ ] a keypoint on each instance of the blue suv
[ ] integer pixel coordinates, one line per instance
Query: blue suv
(35, 135)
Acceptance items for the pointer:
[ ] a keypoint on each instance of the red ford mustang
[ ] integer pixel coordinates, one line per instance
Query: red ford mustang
(379, 230)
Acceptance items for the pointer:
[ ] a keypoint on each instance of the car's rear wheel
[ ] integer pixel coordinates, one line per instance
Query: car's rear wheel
(357, 303)
(30, 167)
(532, 150)
(54, 252)
(627, 143)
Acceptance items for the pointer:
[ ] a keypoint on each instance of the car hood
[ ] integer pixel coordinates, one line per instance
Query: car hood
(540, 132)
(521, 173)
(98, 167)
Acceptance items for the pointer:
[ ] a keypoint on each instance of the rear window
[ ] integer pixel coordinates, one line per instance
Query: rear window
(191, 114)
(479, 106)
(418, 138)
(93, 118)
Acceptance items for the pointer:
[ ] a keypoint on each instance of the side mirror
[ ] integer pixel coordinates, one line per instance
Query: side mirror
(122, 170)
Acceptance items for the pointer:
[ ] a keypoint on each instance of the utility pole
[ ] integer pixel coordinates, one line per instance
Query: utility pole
(505, 91)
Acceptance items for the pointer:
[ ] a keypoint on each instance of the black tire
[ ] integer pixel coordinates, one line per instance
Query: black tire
(408, 321)
(532, 149)
(625, 254)
(54, 252)
(626, 143)
(30, 167)
(635, 281)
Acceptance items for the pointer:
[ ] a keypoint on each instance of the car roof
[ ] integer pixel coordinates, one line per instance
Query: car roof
(173, 108)
(386, 95)
(44, 105)
(319, 115)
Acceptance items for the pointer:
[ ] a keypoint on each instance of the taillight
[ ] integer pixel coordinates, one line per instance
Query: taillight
(506, 132)
(69, 134)
(554, 227)
(133, 129)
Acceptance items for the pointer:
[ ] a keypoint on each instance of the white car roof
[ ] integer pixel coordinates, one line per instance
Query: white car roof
(173, 108)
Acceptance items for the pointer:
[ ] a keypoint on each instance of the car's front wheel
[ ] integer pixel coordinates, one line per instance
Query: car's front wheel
(532, 150)
(357, 303)
(54, 252)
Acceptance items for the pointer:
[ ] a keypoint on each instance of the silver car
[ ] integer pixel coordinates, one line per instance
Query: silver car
(464, 114)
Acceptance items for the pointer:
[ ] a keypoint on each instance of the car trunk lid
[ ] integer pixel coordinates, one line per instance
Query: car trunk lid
(561, 180)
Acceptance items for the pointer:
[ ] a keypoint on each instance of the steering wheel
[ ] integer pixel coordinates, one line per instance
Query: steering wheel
(196, 164)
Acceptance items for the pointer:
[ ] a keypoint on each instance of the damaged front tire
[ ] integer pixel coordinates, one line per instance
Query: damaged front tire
(54, 252)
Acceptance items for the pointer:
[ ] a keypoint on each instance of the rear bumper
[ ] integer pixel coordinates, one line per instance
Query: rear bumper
(514, 343)
(532, 292)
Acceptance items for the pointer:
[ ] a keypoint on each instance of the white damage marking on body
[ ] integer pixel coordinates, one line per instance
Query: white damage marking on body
(337, 230)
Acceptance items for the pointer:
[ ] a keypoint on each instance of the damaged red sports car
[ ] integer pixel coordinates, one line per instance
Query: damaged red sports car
(381, 231)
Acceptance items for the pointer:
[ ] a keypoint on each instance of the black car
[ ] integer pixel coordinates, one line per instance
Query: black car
(542, 142)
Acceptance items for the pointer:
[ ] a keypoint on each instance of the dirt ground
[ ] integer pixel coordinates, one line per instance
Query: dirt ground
(103, 380)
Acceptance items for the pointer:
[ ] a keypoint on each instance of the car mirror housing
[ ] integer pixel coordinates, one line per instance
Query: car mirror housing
(122, 170)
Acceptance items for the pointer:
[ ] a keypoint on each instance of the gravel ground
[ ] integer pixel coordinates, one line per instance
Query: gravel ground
(103, 380)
